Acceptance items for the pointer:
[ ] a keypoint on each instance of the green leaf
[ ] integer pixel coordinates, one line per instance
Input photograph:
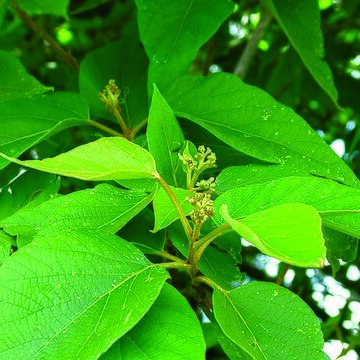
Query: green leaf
(251, 121)
(58, 7)
(169, 330)
(15, 81)
(28, 189)
(3, 7)
(108, 158)
(165, 138)
(338, 205)
(172, 33)
(289, 232)
(221, 268)
(309, 41)
(232, 350)
(6, 242)
(104, 208)
(124, 61)
(339, 246)
(27, 121)
(82, 292)
(142, 236)
(269, 322)
(164, 210)
(238, 176)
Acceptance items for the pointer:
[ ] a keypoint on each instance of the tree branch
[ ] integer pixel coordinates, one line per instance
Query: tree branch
(251, 46)
(61, 53)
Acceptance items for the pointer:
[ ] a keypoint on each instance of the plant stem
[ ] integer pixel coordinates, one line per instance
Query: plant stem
(201, 245)
(104, 128)
(63, 55)
(166, 255)
(184, 221)
(251, 46)
(122, 123)
(137, 128)
(176, 265)
(209, 282)
(281, 277)
(207, 239)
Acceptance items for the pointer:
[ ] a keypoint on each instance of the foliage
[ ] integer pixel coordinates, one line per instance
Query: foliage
(129, 183)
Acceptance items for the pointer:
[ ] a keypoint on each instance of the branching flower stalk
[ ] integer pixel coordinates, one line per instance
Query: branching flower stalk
(110, 96)
(201, 200)
(194, 166)
(202, 191)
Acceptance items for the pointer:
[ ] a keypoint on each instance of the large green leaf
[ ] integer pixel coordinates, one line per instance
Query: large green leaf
(124, 61)
(232, 350)
(289, 232)
(27, 121)
(338, 205)
(238, 176)
(108, 158)
(173, 31)
(103, 208)
(58, 7)
(221, 267)
(165, 212)
(165, 139)
(142, 235)
(251, 121)
(308, 42)
(73, 294)
(269, 322)
(169, 330)
(15, 81)
(30, 188)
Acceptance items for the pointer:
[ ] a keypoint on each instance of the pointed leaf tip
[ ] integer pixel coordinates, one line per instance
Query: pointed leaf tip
(108, 158)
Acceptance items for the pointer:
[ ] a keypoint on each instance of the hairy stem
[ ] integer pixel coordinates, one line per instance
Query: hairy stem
(104, 128)
(222, 229)
(204, 242)
(209, 282)
(122, 123)
(184, 221)
(62, 54)
(137, 128)
(176, 265)
(251, 46)
(166, 255)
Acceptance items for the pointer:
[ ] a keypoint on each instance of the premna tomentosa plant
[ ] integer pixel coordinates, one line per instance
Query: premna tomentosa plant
(144, 259)
(87, 291)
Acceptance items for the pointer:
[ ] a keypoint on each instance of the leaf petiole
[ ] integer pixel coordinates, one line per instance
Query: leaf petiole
(184, 221)
(204, 242)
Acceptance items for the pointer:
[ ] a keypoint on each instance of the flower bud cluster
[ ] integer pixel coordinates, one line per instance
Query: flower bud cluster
(205, 185)
(110, 96)
(204, 159)
(188, 161)
(194, 166)
(203, 207)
